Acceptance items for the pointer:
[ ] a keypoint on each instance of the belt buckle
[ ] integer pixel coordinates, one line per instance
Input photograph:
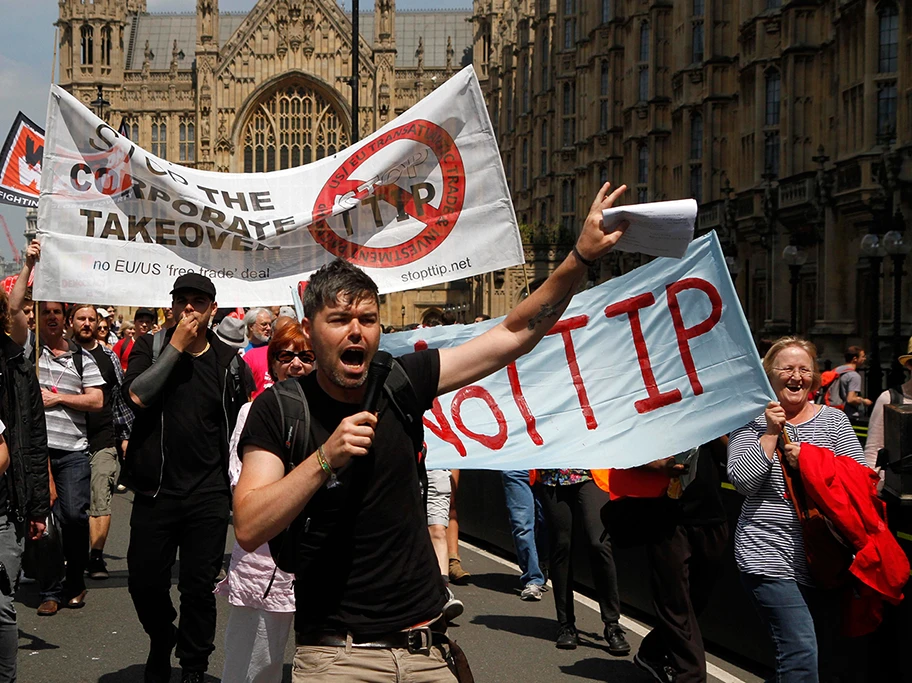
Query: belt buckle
(419, 640)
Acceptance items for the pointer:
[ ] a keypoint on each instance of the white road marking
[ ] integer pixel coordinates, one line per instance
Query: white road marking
(628, 623)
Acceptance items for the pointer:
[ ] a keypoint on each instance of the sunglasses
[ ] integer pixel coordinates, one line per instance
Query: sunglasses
(285, 357)
(102, 328)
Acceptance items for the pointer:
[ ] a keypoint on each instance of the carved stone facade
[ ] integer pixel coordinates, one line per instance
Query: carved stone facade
(261, 90)
(790, 123)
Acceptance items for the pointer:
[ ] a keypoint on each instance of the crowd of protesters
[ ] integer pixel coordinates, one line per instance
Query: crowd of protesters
(199, 411)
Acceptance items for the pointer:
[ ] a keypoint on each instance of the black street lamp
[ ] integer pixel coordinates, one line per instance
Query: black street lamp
(727, 237)
(794, 258)
(100, 103)
(898, 249)
(402, 311)
(873, 250)
(770, 205)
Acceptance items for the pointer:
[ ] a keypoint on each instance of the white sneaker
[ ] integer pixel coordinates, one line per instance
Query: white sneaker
(453, 607)
(532, 591)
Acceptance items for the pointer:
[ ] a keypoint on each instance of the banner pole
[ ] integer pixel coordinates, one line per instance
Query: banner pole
(54, 62)
(35, 308)
(525, 274)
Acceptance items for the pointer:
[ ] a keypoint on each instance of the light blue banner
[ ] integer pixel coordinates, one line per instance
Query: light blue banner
(641, 367)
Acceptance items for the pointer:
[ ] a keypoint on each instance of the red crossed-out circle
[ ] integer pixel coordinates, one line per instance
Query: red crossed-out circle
(439, 223)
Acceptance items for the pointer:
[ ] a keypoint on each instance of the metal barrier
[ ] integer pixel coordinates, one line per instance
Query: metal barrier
(729, 621)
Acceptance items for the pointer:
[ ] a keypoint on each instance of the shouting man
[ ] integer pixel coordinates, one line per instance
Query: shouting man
(366, 579)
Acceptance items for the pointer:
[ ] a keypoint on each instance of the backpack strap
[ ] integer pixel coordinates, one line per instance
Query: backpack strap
(295, 417)
(158, 343)
(402, 396)
(78, 360)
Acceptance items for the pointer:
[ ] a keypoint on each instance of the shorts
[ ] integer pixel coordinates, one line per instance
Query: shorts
(104, 479)
(438, 499)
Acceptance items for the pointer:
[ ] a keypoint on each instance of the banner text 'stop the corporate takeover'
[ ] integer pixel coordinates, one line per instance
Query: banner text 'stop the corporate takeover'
(426, 193)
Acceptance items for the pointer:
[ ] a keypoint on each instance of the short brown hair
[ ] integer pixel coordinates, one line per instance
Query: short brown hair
(852, 352)
(785, 342)
(75, 307)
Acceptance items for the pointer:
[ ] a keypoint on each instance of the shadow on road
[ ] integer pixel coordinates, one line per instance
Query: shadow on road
(599, 669)
(500, 583)
(533, 627)
(134, 673)
(34, 643)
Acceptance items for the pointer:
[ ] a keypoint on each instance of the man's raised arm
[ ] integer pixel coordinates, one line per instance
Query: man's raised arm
(526, 324)
(18, 321)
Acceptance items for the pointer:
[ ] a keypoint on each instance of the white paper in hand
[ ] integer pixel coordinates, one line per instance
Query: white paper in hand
(657, 228)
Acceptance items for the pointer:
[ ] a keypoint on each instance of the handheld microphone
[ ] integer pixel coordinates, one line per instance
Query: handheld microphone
(377, 373)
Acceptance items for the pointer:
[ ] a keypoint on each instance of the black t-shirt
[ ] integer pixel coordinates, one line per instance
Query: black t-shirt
(193, 428)
(701, 503)
(365, 561)
(100, 425)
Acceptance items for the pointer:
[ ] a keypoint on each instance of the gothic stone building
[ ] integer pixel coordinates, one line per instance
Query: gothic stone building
(261, 90)
(789, 121)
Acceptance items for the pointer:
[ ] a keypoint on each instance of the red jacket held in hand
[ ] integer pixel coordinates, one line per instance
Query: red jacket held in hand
(846, 492)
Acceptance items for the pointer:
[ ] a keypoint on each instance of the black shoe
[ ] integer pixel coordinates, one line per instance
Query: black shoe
(97, 569)
(659, 670)
(567, 638)
(617, 643)
(158, 663)
(191, 676)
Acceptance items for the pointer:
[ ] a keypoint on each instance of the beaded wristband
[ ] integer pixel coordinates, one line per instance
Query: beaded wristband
(586, 262)
(324, 464)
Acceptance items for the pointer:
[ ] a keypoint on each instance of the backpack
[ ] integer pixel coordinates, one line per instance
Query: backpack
(827, 380)
(75, 349)
(296, 426)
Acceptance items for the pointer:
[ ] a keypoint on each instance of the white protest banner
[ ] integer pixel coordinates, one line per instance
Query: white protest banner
(424, 200)
(641, 367)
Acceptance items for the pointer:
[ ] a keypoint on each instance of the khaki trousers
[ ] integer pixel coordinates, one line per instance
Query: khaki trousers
(316, 664)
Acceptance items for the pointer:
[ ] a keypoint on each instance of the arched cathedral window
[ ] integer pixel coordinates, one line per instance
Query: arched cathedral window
(291, 126)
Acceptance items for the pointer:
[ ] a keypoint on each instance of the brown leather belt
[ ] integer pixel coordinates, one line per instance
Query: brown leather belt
(417, 640)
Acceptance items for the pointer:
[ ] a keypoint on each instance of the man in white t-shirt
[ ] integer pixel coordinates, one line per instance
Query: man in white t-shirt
(875, 440)
(70, 387)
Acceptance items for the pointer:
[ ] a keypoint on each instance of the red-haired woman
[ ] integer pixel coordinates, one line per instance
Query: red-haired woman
(261, 614)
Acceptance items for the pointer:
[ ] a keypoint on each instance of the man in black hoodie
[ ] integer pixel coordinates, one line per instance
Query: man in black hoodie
(24, 487)
(186, 398)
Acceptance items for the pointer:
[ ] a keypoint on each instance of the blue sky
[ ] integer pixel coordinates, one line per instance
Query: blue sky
(26, 56)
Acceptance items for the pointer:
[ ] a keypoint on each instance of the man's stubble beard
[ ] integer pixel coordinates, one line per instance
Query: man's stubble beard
(335, 374)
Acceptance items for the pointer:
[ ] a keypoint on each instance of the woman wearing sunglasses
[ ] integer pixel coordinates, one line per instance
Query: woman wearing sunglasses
(103, 333)
(261, 596)
(802, 618)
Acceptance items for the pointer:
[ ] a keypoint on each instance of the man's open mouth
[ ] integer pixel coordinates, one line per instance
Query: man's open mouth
(353, 357)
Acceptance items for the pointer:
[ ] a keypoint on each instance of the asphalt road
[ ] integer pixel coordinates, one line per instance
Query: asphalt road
(505, 639)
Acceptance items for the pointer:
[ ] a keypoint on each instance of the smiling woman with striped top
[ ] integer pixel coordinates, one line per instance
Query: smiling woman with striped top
(769, 547)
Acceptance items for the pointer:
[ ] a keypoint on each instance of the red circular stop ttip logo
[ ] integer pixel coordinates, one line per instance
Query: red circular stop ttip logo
(439, 223)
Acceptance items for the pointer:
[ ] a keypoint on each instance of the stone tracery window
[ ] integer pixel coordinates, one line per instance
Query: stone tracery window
(291, 126)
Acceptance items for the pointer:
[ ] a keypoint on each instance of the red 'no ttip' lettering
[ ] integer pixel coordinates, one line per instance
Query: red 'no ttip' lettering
(631, 307)
(442, 427)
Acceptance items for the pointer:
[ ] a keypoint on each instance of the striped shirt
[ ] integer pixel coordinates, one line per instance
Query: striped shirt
(66, 428)
(768, 540)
